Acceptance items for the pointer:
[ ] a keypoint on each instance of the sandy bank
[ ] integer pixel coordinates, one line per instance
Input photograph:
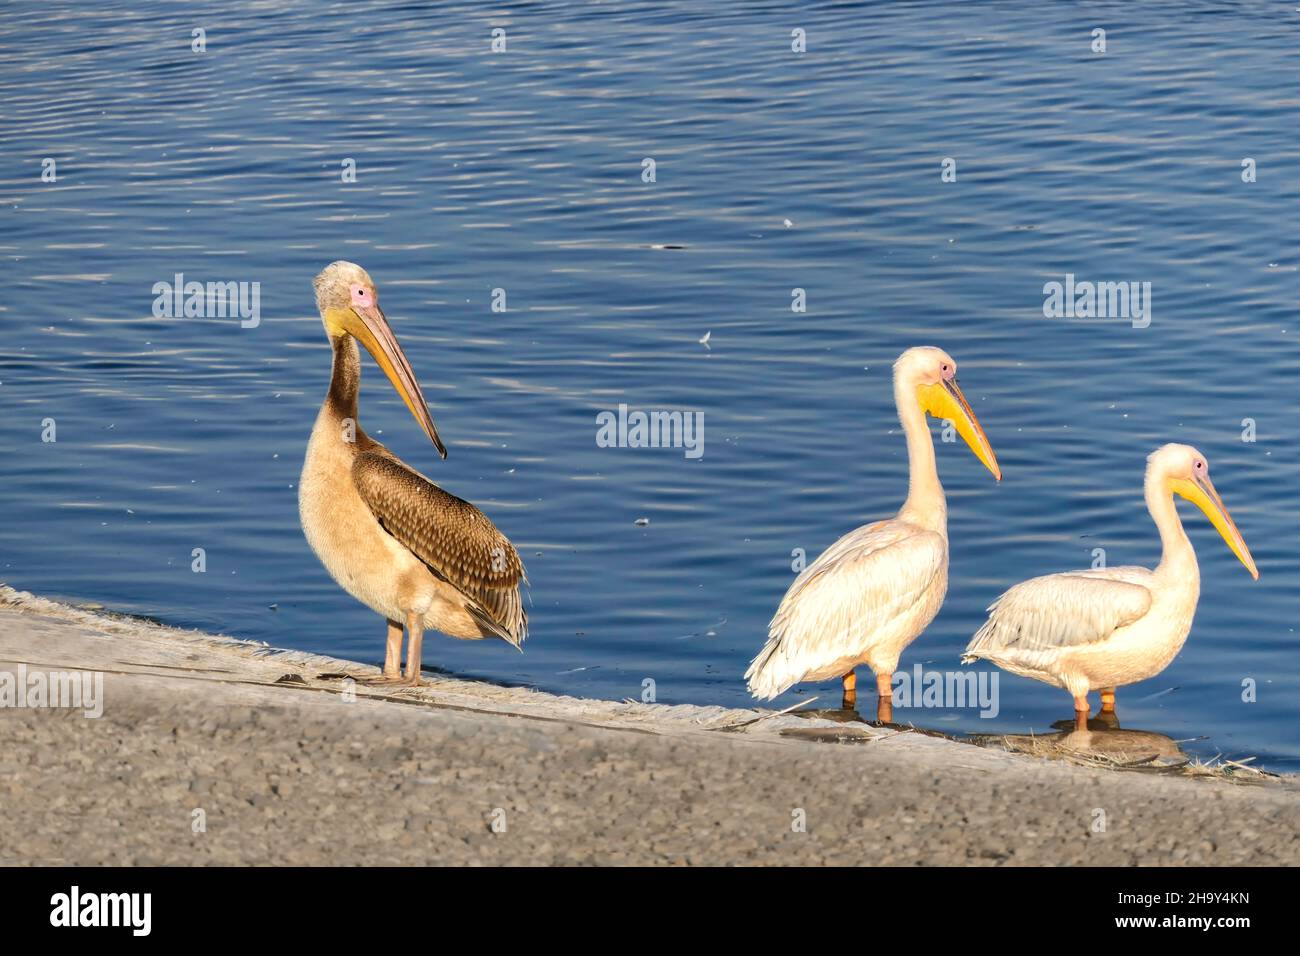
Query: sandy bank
(284, 767)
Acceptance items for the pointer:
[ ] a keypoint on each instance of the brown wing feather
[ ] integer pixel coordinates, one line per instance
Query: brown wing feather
(453, 538)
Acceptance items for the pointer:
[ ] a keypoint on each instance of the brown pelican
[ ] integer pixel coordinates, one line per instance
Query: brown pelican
(873, 591)
(388, 535)
(1107, 627)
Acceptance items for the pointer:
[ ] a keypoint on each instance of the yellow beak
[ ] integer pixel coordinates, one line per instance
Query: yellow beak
(371, 329)
(944, 400)
(1202, 494)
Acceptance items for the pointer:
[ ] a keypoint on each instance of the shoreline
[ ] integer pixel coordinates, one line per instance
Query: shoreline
(213, 750)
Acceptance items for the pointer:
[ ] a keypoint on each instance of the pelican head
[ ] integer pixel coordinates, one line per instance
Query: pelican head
(349, 305)
(1186, 473)
(930, 374)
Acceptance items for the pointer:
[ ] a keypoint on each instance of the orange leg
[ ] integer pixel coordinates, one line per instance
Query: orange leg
(1081, 710)
(885, 697)
(850, 701)
(1108, 700)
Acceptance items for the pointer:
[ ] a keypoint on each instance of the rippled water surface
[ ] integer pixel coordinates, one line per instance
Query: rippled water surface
(775, 170)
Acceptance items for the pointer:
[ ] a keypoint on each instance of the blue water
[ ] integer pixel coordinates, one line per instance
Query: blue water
(775, 170)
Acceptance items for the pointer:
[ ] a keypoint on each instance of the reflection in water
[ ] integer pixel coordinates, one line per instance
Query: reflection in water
(1103, 741)
(848, 713)
(849, 699)
(854, 724)
(1105, 720)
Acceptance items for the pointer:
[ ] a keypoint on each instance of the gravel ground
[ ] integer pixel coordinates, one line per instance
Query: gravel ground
(196, 728)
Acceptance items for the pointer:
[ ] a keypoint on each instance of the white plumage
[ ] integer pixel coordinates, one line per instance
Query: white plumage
(861, 602)
(1108, 627)
(1056, 611)
(874, 590)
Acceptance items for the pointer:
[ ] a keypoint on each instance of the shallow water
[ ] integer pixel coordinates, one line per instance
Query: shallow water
(522, 171)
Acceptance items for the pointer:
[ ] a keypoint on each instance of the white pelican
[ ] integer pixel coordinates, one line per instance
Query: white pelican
(873, 591)
(388, 535)
(1107, 627)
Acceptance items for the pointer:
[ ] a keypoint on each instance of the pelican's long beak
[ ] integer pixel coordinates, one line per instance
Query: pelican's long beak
(945, 401)
(374, 333)
(1202, 494)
